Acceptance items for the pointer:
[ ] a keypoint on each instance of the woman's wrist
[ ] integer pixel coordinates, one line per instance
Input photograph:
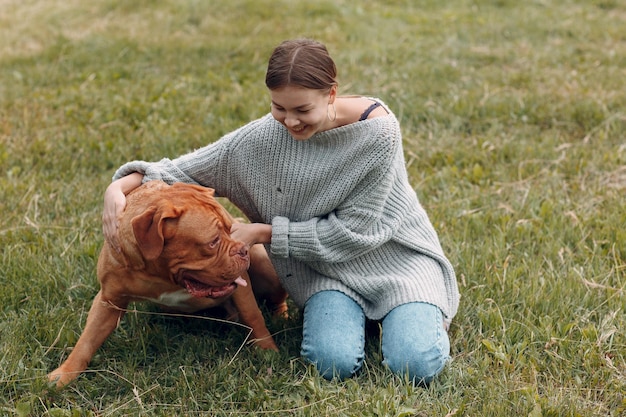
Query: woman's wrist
(251, 233)
(264, 233)
(130, 182)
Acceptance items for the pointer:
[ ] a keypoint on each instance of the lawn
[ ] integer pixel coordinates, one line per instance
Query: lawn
(514, 121)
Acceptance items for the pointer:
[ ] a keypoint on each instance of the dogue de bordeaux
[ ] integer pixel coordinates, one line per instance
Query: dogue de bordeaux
(176, 251)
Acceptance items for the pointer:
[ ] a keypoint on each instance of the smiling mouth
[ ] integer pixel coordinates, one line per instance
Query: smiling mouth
(201, 290)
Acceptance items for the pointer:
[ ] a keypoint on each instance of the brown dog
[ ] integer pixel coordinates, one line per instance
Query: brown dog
(176, 251)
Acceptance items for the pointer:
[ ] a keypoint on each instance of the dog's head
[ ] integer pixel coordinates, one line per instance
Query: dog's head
(185, 231)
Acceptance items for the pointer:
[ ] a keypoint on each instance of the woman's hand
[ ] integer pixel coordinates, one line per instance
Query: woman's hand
(251, 233)
(114, 204)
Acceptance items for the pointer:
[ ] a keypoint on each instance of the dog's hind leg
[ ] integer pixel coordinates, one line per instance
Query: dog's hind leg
(265, 282)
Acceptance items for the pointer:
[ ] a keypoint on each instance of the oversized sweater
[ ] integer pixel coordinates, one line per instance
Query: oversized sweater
(343, 213)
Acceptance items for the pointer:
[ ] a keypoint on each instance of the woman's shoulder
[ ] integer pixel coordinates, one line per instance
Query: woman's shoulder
(264, 126)
(355, 108)
(379, 136)
(257, 125)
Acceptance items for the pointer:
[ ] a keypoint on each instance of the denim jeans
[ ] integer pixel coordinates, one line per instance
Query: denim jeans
(414, 341)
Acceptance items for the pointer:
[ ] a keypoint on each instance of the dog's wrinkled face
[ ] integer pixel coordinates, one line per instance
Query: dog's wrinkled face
(187, 233)
(201, 254)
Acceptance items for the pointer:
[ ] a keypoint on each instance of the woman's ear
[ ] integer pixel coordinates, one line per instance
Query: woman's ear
(332, 95)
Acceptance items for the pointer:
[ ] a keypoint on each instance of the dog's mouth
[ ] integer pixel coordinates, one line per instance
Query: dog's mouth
(201, 290)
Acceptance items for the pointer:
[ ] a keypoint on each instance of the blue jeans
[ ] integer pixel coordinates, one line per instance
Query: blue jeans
(414, 341)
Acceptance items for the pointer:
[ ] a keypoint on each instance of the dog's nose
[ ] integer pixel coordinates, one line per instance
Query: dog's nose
(240, 250)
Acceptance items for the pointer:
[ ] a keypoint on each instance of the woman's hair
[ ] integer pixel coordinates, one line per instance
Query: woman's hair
(301, 62)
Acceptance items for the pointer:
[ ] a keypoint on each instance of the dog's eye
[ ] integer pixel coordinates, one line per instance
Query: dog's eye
(214, 242)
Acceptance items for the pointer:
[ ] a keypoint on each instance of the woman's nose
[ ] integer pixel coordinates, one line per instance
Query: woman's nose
(291, 120)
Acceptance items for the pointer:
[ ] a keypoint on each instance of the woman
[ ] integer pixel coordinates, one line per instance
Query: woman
(323, 181)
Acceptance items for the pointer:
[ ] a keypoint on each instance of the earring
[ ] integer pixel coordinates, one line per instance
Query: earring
(334, 112)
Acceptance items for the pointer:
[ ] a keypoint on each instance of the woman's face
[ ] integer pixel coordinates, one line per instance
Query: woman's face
(303, 111)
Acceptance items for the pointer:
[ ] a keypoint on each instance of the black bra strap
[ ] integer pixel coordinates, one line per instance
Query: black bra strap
(370, 109)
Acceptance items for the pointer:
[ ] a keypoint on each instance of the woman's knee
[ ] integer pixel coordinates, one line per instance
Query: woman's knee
(415, 342)
(332, 362)
(333, 334)
(421, 363)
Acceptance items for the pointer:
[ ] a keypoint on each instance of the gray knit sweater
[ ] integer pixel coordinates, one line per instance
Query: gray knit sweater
(343, 214)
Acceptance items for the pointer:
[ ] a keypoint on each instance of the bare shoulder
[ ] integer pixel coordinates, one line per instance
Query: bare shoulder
(351, 108)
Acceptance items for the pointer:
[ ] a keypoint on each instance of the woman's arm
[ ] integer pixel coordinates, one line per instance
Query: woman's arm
(251, 233)
(114, 203)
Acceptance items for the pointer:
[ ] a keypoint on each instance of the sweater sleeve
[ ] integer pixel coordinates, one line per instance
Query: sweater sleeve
(368, 218)
(199, 167)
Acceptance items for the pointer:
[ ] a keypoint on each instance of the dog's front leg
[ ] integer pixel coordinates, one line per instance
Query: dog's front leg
(101, 321)
(250, 315)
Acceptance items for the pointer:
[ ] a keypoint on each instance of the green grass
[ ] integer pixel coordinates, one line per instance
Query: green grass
(514, 118)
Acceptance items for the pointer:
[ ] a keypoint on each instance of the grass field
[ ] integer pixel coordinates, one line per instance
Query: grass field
(514, 120)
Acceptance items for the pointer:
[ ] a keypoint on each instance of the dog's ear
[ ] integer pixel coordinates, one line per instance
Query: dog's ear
(148, 228)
